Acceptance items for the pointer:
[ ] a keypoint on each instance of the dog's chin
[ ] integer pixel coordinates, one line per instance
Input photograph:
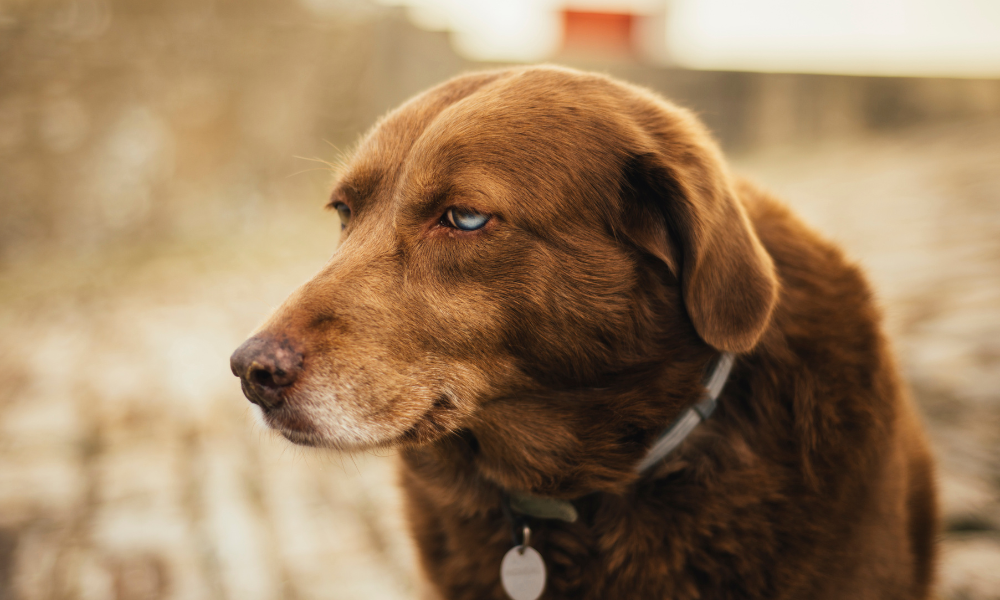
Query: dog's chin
(302, 439)
(332, 441)
(300, 432)
(314, 440)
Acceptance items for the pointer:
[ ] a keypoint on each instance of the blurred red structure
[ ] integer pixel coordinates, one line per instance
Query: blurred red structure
(606, 34)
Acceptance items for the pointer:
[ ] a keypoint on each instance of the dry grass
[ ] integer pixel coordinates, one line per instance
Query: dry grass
(131, 466)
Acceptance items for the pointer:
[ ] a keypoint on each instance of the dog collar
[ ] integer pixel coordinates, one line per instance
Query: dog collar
(563, 510)
(522, 570)
(692, 417)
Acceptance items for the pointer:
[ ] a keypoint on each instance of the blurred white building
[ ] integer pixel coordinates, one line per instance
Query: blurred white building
(871, 37)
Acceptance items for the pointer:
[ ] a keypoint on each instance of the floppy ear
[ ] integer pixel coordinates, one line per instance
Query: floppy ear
(684, 211)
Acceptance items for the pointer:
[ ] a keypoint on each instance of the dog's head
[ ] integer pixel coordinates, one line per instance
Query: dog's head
(511, 235)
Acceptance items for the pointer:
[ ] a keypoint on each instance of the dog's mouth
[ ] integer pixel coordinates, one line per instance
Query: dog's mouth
(301, 439)
(291, 424)
(297, 425)
(437, 421)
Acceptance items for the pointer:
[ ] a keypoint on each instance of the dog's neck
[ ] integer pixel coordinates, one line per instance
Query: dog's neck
(562, 444)
(516, 503)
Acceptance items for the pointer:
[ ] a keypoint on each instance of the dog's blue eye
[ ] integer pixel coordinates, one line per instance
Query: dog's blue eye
(466, 220)
(344, 212)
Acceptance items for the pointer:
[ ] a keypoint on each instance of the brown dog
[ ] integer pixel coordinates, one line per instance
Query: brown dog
(537, 267)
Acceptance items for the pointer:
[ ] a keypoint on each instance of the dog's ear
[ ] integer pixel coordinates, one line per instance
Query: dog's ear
(681, 208)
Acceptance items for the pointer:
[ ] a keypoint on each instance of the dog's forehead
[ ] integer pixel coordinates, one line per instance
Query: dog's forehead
(530, 117)
(385, 148)
(535, 132)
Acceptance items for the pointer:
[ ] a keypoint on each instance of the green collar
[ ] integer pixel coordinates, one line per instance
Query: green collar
(542, 508)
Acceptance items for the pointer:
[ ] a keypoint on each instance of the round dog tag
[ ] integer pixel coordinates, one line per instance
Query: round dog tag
(522, 573)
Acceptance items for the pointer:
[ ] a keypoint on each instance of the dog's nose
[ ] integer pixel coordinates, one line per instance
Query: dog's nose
(266, 368)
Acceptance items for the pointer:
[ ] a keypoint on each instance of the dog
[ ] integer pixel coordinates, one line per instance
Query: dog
(544, 279)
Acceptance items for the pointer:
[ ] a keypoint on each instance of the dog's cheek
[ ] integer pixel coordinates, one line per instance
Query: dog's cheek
(521, 300)
(455, 319)
(574, 318)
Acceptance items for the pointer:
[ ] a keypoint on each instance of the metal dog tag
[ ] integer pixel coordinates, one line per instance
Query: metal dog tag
(522, 573)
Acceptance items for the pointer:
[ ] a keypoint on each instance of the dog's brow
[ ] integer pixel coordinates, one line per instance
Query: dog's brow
(337, 195)
(356, 186)
(430, 199)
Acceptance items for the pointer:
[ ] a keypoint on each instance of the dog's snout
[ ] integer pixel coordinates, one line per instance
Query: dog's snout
(266, 368)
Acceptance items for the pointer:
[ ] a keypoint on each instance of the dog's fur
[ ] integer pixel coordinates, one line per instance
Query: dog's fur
(546, 351)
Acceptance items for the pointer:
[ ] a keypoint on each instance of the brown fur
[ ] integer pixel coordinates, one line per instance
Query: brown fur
(545, 352)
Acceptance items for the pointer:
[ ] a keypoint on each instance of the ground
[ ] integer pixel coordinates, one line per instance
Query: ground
(132, 467)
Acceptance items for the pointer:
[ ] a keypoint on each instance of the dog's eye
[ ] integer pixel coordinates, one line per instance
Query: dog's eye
(466, 220)
(344, 212)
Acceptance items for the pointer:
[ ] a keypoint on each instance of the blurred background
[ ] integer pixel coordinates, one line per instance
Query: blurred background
(162, 171)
